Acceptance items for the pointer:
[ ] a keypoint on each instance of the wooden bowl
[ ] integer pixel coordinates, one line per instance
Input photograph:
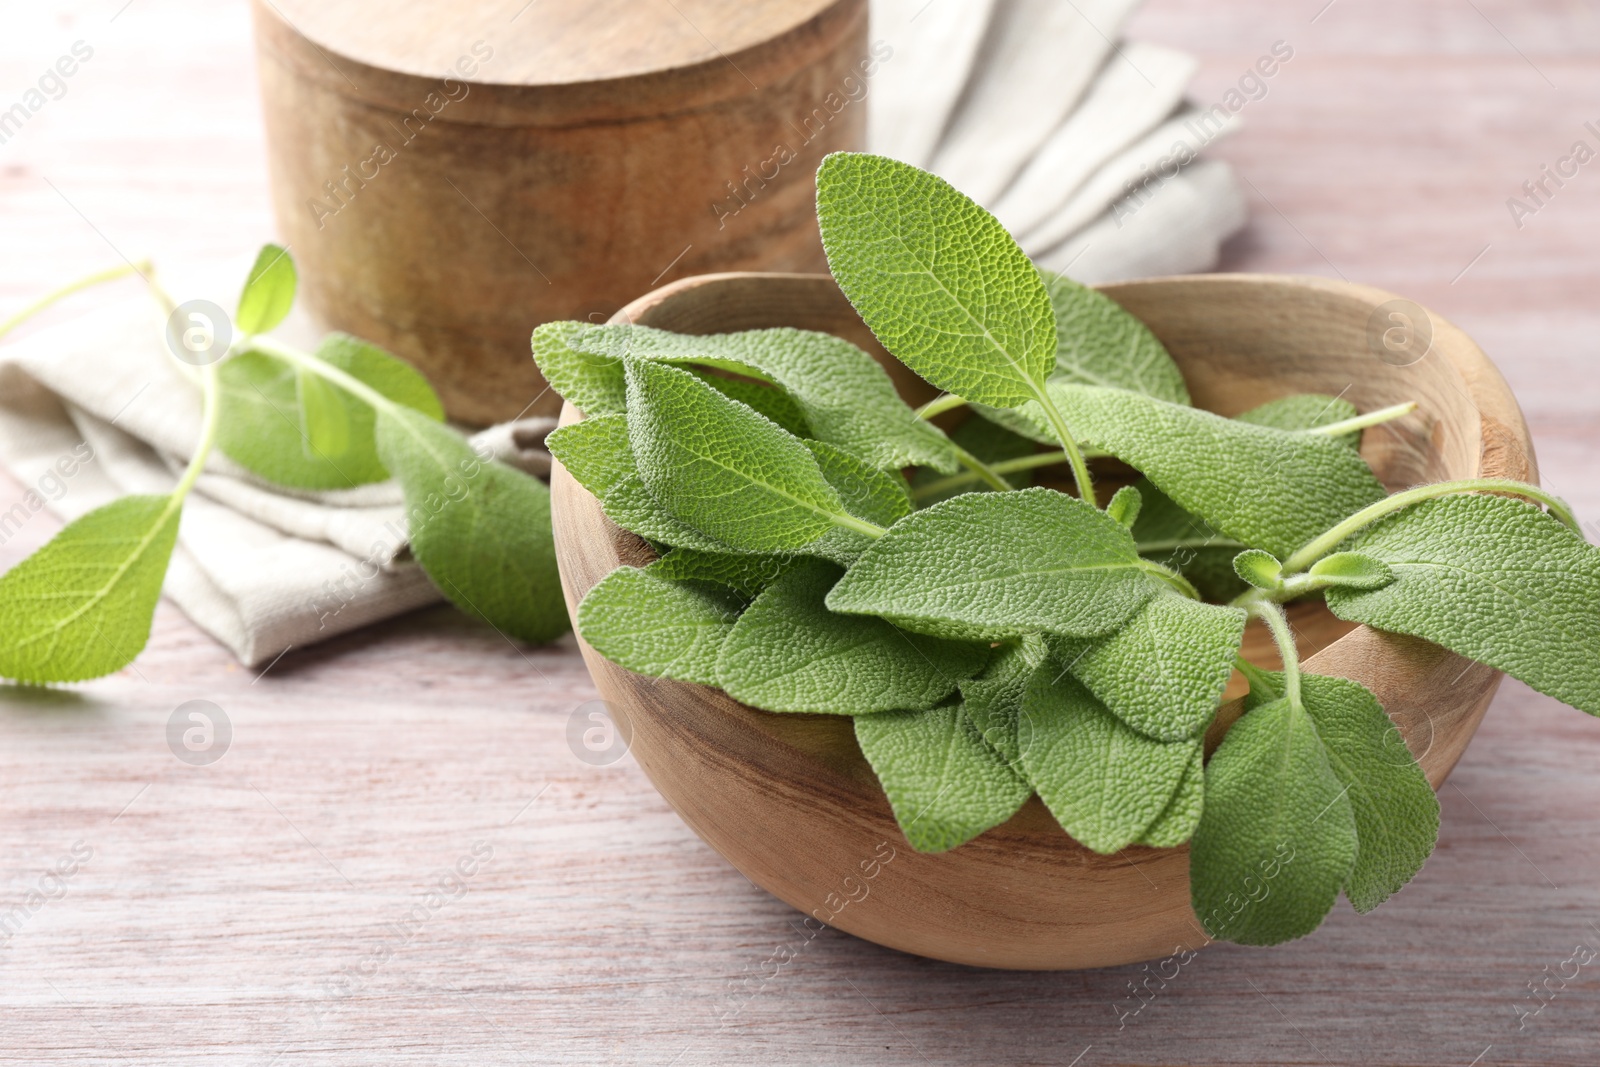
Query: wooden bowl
(451, 173)
(789, 800)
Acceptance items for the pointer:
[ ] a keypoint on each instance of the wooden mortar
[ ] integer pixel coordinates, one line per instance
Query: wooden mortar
(449, 174)
(789, 800)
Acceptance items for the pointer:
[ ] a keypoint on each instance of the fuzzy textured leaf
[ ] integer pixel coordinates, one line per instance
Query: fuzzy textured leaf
(1105, 783)
(1271, 489)
(264, 424)
(746, 573)
(665, 629)
(1277, 839)
(842, 395)
(994, 565)
(940, 282)
(1305, 411)
(1178, 822)
(718, 466)
(593, 384)
(268, 291)
(480, 529)
(1396, 812)
(945, 785)
(1098, 343)
(1163, 672)
(80, 607)
(788, 652)
(993, 700)
(1494, 579)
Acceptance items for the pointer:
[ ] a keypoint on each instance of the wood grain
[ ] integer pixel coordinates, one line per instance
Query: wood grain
(449, 180)
(605, 932)
(790, 801)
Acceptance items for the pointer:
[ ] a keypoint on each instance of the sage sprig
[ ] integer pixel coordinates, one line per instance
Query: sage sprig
(348, 414)
(995, 640)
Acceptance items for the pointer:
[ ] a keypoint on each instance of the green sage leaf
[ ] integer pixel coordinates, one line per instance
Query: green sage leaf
(1105, 783)
(268, 292)
(480, 529)
(945, 785)
(267, 427)
(837, 391)
(1494, 579)
(1164, 671)
(718, 466)
(1277, 839)
(1396, 812)
(665, 629)
(1178, 822)
(788, 652)
(1098, 343)
(995, 565)
(80, 607)
(939, 281)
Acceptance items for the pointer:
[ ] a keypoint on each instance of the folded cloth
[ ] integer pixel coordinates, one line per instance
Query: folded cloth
(1039, 111)
(97, 408)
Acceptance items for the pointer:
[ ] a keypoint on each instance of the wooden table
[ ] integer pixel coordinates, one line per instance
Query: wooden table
(274, 907)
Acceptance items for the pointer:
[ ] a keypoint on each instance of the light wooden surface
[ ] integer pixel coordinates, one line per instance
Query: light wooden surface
(205, 927)
(789, 800)
(449, 179)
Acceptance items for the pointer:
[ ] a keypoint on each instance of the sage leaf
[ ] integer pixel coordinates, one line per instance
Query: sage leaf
(1105, 783)
(80, 607)
(480, 529)
(268, 291)
(1098, 343)
(840, 393)
(718, 466)
(788, 652)
(1178, 822)
(1124, 506)
(937, 278)
(665, 629)
(591, 383)
(1305, 411)
(1174, 538)
(1352, 570)
(1163, 672)
(1260, 569)
(266, 425)
(944, 784)
(1277, 839)
(993, 699)
(1494, 579)
(988, 442)
(772, 402)
(1396, 811)
(324, 421)
(747, 573)
(1270, 489)
(987, 566)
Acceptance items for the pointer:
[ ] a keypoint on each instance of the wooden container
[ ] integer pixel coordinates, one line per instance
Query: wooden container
(449, 174)
(789, 800)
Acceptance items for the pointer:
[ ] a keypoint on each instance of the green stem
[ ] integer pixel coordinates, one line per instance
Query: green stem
(109, 275)
(1009, 466)
(307, 362)
(1278, 623)
(981, 471)
(1069, 445)
(1361, 422)
(1335, 537)
(940, 405)
(208, 432)
(1171, 577)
